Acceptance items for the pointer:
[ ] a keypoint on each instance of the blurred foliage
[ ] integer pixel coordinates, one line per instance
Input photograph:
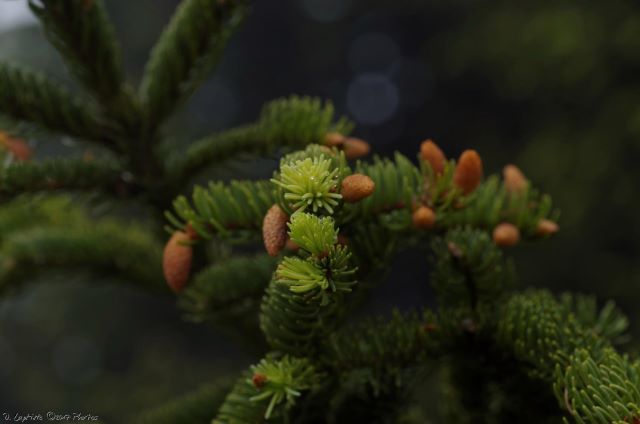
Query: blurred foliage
(553, 84)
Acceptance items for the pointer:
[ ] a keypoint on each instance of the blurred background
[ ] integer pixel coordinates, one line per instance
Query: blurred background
(551, 86)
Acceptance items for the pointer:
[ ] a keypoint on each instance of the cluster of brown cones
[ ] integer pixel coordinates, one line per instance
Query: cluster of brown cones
(19, 148)
(467, 177)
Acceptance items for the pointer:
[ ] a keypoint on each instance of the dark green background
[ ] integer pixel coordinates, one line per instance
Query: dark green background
(550, 86)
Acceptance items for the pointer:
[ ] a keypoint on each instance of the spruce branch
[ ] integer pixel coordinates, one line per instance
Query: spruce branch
(229, 291)
(385, 348)
(603, 389)
(537, 329)
(292, 122)
(198, 407)
(25, 212)
(269, 391)
(607, 322)
(591, 381)
(33, 98)
(188, 49)
(59, 174)
(125, 251)
(83, 35)
(469, 269)
(232, 211)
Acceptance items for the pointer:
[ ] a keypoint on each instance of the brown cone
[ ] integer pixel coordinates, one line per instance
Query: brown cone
(334, 139)
(355, 148)
(506, 235)
(356, 187)
(274, 230)
(424, 218)
(431, 153)
(514, 179)
(176, 261)
(468, 173)
(546, 227)
(292, 245)
(259, 380)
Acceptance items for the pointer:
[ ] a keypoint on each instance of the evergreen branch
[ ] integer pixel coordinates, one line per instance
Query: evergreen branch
(234, 211)
(104, 247)
(186, 52)
(398, 184)
(268, 392)
(228, 291)
(540, 333)
(82, 33)
(591, 381)
(27, 212)
(608, 322)
(399, 187)
(58, 174)
(305, 299)
(31, 97)
(492, 204)
(382, 351)
(292, 122)
(600, 390)
(469, 269)
(198, 407)
(290, 322)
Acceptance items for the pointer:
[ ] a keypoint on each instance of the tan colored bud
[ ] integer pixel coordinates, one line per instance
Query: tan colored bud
(334, 139)
(424, 218)
(259, 380)
(431, 153)
(274, 230)
(355, 148)
(292, 245)
(514, 179)
(356, 187)
(546, 227)
(506, 235)
(191, 232)
(468, 173)
(176, 261)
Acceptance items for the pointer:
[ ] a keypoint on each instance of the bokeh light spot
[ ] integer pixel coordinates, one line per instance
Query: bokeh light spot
(372, 98)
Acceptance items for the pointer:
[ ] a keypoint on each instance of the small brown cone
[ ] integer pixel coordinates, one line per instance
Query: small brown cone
(424, 218)
(292, 245)
(506, 235)
(514, 179)
(274, 230)
(468, 173)
(259, 380)
(334, 139)
(431, 153)
(356, 187)
(176, 261)
(546, 227)
(355, 148)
